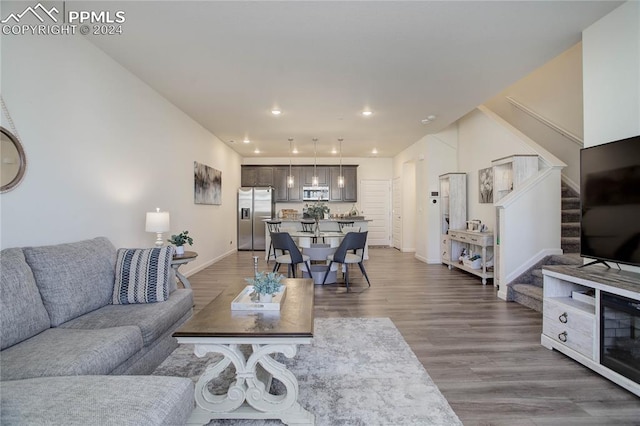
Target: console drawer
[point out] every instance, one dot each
(570, 317)
(571, 338)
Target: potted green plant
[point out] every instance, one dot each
(318, 210)
(266, 285)
(180, 240)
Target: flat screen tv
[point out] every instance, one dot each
(610, 201)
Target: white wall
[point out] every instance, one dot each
(611, 52)
(103, 148)
(420, 165)
(611, 56)
(553, 92)
(482, 140)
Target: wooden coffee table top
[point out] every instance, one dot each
(295, 318)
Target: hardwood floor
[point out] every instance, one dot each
(483, 353)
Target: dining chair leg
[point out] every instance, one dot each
(346, 275)
(327, 273)
(269, 252)
(293, 270)
(276, 267)
(364, 273)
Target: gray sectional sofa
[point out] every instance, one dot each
(68, 355)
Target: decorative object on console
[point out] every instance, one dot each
(159, 223)
(142, 275)
(207, 184)
(180, 240)
(485, 180)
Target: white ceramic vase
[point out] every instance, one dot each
(179, 249)
(266, 298)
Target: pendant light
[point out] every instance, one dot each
(290, 180)
(340, 177)
(314, 179)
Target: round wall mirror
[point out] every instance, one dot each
(14, 161)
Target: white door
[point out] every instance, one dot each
(375, 201)
(397, 214)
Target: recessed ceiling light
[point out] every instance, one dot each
(246, 140)
(334, 151)
(295, 150)
(428, 120)
(374, 151)
(256, 151)
(276, 112)
(366, 113)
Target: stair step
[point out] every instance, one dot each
(568, 192)
(570, 244)
(571, 215)
(527, 295)
(570, 229)
(570, 203)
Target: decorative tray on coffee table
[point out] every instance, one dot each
(244, 302)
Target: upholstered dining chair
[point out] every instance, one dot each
(272, 226)
(287, 252)
(351, 250)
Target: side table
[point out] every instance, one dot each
(181, 259)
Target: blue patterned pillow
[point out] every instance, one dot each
(142, 275)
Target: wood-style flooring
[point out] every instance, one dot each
(484, 354)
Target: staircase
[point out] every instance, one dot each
(527, 288)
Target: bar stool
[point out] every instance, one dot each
(272, 226)
(309, 226)
(343, 223)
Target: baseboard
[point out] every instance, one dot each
(408, 250)
(209, 263)
(525, 266)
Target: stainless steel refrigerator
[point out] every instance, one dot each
(254, 206)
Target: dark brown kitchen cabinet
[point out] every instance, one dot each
(284, 193)
(350, 190)
(322, 171)
(256, 176)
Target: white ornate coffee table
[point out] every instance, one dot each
(218, 329)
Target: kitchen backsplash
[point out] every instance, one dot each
(334, 207)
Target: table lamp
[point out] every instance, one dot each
(157, 222)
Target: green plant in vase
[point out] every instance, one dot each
(179, 240)
(266, 284)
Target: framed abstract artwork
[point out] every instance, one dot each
(207, 184)
(485, 180)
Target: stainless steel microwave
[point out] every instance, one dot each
(315, 193)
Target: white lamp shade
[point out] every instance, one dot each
(157, 222)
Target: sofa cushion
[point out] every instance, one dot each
(22, 313)
(142, 275)
(153, 319)
(73, 278)
(97, 400)
(69, 352)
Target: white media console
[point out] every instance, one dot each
(572, 318)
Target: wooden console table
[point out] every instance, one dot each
(216, 328)
(483, 240)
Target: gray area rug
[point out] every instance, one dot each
(358, 371)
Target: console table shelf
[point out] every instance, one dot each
(471, 240)
(573, 315)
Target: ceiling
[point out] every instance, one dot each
(228, 64)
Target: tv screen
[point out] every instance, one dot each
(610, 201)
